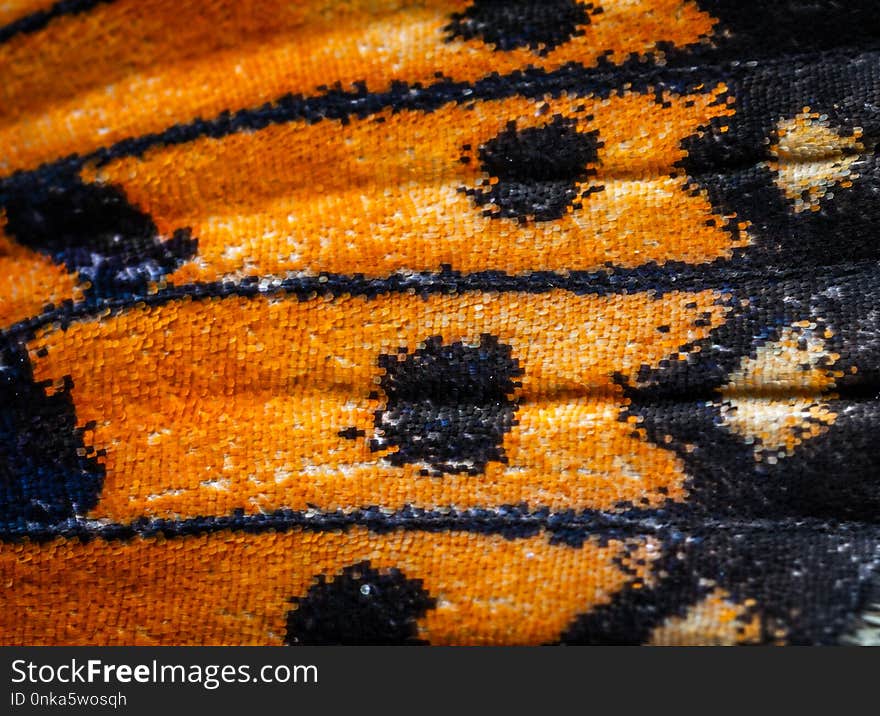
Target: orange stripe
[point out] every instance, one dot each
(208, 406)
(231, 588)
(385, 193)
(138, 66)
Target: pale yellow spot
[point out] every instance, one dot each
(811, 158)
(776, 399)
(715, 621)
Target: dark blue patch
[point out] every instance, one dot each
(47, 473)
(93, 230)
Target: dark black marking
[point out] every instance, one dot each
(540, 25)
(94, 231)
(749, 29)
(351, 433)
(360, 606)
(567, 527)
(448, 406)
(47, 472)
(538, 170)
(659, 280)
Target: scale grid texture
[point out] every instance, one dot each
(439, 322)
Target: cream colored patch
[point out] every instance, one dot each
(715, 621)
(776, 400)
(811, 158)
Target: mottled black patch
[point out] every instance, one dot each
(680, 406)
(835, 475)
(540, 25)
(746, 30)
(93, 230)
(47, 472)
(448, 406)
(536, 172)
(360, 606)
(803, 584)
(729, 160)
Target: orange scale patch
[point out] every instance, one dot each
(138, 66)
(416, 191)
(204, 407)
(232, 588)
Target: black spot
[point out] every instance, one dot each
(93, 230)
(351, 433)
(448, 406)
(47, 472)
(540, 25)
(361, 606)
(536, 171)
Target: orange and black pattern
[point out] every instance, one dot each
(440, 322)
